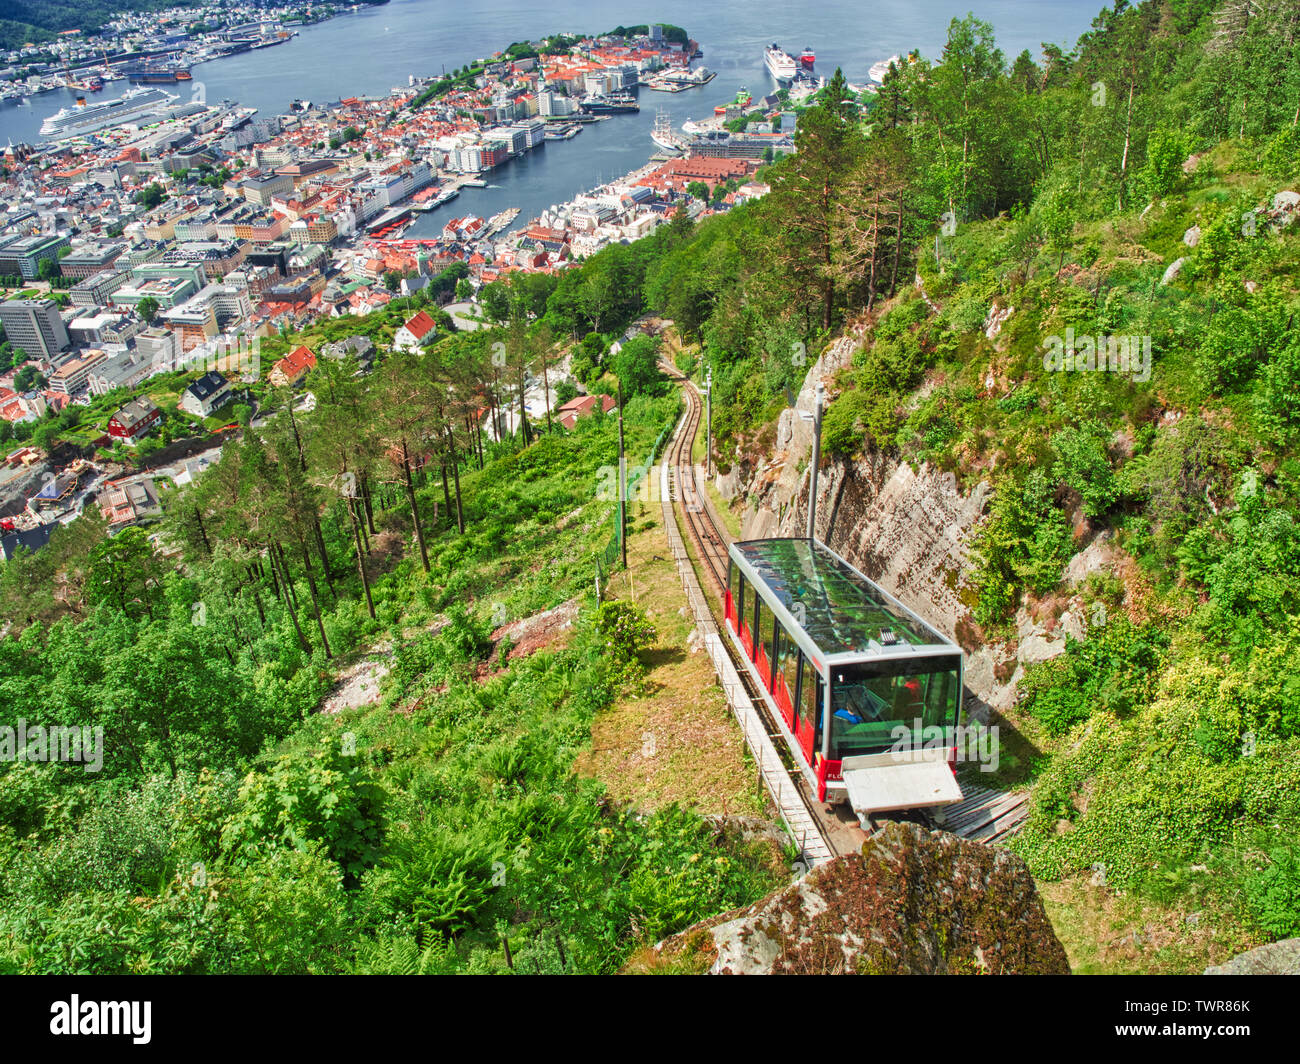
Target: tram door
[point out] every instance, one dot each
(763, 641)
(787, 676)
(809, 712)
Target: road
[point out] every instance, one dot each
(459, 315)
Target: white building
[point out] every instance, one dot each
(554, 104)
(210, 392)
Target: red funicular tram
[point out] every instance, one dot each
(828, 646)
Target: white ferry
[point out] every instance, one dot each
(780, 65)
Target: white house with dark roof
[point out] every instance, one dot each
(210, 392)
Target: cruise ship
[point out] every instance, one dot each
(132, 106)
(779, 64)
(879, 70)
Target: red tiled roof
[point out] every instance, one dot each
(419, 325)
(301, 358)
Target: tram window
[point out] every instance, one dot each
(870, 703)
(740, 601)
(763, 633)
(787, 660)
(810, 696)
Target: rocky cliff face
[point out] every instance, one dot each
(1277, 958)
(913, 902)
(908, 529)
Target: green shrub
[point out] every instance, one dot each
(626, 632)
(1023, 544)
(1083, 465)
(1113, 670)
(1273, 894)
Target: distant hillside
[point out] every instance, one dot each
(34, 21)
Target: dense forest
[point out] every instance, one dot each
(978, 208)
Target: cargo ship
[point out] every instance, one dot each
(132, 106)
(742, 100)
(158, 73)
(779, 64)
(808, 59)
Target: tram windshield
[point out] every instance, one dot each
(876, 706)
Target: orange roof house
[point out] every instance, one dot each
(290, 369)
(568, 414)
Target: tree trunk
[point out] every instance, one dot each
(285, 579)
(496, 409)
(324, 556)
(415, 511)
(302, 457)
(875, 242)
(523, 410)
(1128, 126)
(446, 490)
(828, 285)
(275, 578)
(365, 492)
(277, 559)
(203, 535)
(546, 398)
(898, 246)
(314, 595)
(455, 475)
(361, 557)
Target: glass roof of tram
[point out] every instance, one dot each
(841, 610)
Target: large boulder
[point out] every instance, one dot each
(1277, 958)
(913, 902)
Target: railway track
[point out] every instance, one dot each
(710, 543)
(986, 815)
(710, 546)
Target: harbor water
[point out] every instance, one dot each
(373, 50)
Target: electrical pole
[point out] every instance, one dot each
(708, 424)
(816, 418)
(622, 482)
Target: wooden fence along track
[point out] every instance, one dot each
(983, 814)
